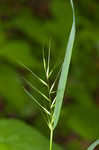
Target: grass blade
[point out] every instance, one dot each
(31, 96)
(64, 73)
(92, 146)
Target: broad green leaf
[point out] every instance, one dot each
(93, 146)
(16, 135)
(64, 73)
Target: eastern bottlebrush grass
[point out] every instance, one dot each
(52, 112)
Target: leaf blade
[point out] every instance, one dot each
(64, 73)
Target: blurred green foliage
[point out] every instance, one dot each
(21, 136)
(25, 29)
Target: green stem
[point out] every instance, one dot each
(51, 139)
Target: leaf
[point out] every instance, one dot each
(64, 73)
(92, 146)
(16, 135)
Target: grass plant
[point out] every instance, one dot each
(52, 112)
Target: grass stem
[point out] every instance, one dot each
(51, 138)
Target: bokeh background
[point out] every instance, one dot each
(26, 27)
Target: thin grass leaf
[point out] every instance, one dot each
(64, 73)
(42, 81)
(44, 109)
(93, 146)
(38, 91)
